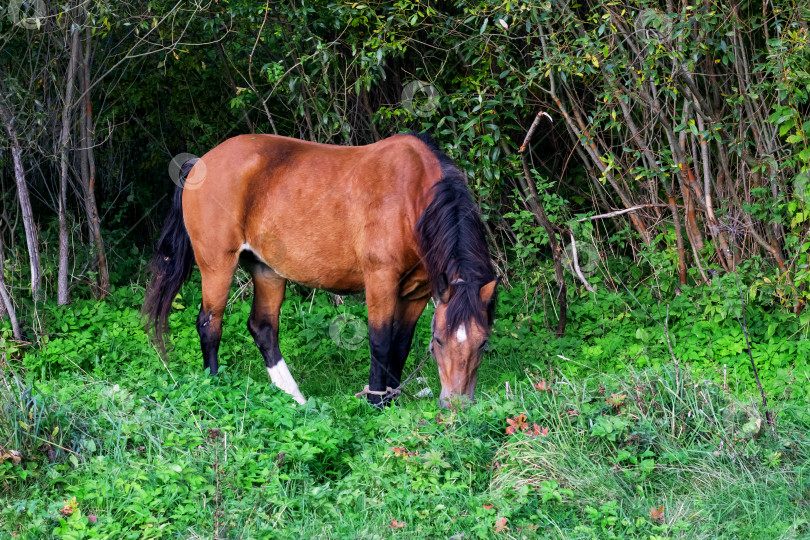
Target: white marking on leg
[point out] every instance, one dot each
(281, 377)
(461, 334)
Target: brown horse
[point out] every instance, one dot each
(394, 218)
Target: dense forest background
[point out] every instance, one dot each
(669, 140)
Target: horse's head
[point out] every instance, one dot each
(461, 325)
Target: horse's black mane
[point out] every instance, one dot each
(453, 244)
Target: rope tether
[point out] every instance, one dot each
(393, 393)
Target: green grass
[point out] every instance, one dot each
(151, 450)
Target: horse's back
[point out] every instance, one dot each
(318, 214)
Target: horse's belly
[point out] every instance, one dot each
(331, 267)
(334, 279)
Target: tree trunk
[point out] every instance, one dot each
(25, 202)
(542, 219)
(581, 134)
(227, 69)
(369, 115)
(62, 277)
(6, 305)
(678, 237)
(89, 175)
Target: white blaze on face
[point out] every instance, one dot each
(281, 377)
(461, 334)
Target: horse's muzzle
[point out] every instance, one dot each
(467, 394)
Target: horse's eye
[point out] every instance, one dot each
(437, 340)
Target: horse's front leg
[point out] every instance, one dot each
(382, 291)
(408, 312)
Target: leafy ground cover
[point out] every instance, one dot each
(594, 435)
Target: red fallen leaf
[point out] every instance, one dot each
(542, 386)
(516, 423)
(616, 400)
(539, 431)
(487, 507)
(657, 514)
(500, 524)
(92, 518)
(69, 508)
(397, 524)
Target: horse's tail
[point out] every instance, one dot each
(170, 266)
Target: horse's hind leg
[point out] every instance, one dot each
(216, 284)
(268, 294)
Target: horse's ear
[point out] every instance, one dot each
(448, 292)
(444, 288)
(487, 291)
